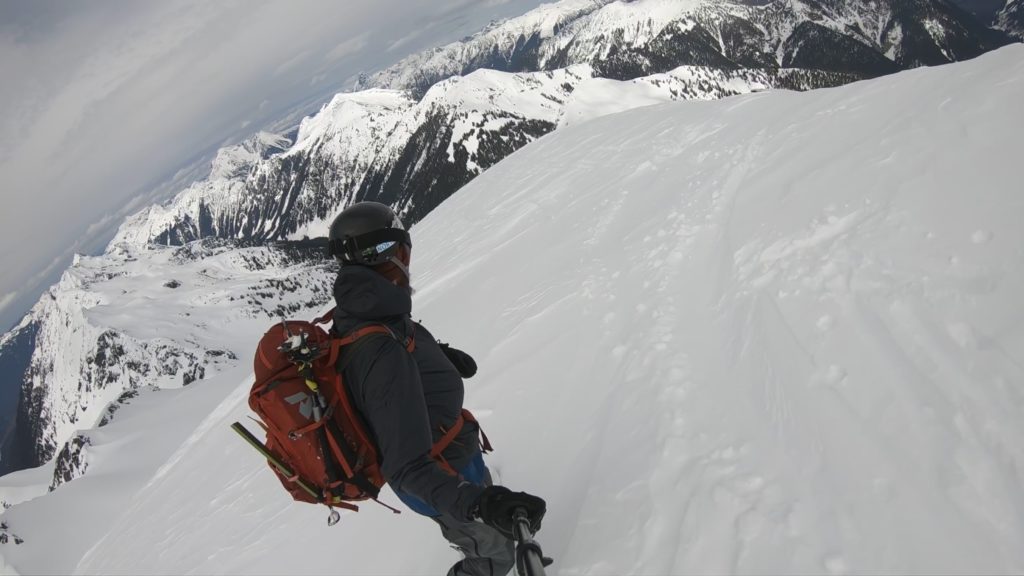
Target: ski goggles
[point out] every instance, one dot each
(371, 248)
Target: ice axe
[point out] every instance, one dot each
(530, 559)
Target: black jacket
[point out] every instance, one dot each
(406, 400)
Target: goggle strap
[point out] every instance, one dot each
(401, 266)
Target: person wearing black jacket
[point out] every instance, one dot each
(410, 400)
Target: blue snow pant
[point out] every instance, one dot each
(486, 552)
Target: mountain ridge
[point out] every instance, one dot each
(381, 145)
(721, 32)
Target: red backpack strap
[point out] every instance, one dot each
(445, 442)
(449, 436)
(485, 444)
(326, 317)
(338, 343)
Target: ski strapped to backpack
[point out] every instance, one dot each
(317, 443)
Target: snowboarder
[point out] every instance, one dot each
(410, 400)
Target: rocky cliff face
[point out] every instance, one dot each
(16, 348)
(1011, 19)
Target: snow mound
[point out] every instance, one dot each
(776, 333)
(596, 97)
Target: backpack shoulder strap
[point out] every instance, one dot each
(355, 337)
(349, 352)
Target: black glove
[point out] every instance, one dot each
(497, 504)
(463, 362)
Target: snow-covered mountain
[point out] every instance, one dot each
(224, 186)
(625, 40)
(414, 151)
(777, 332)
(373, 144)
(111, 326)
(379, 144)
(1011, 19)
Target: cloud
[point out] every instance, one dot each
(102, 224)
(348, 47)
(54, 265)
(404, 40)
(292, 63)
(6, 299)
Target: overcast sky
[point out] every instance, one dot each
(101, 101)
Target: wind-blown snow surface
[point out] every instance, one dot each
(777, 333)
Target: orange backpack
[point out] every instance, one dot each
(317, 444)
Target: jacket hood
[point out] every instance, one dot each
(362, 295)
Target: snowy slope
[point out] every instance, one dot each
(595, 97)
(777, 333)
(140, 318)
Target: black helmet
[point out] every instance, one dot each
(367, 233)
